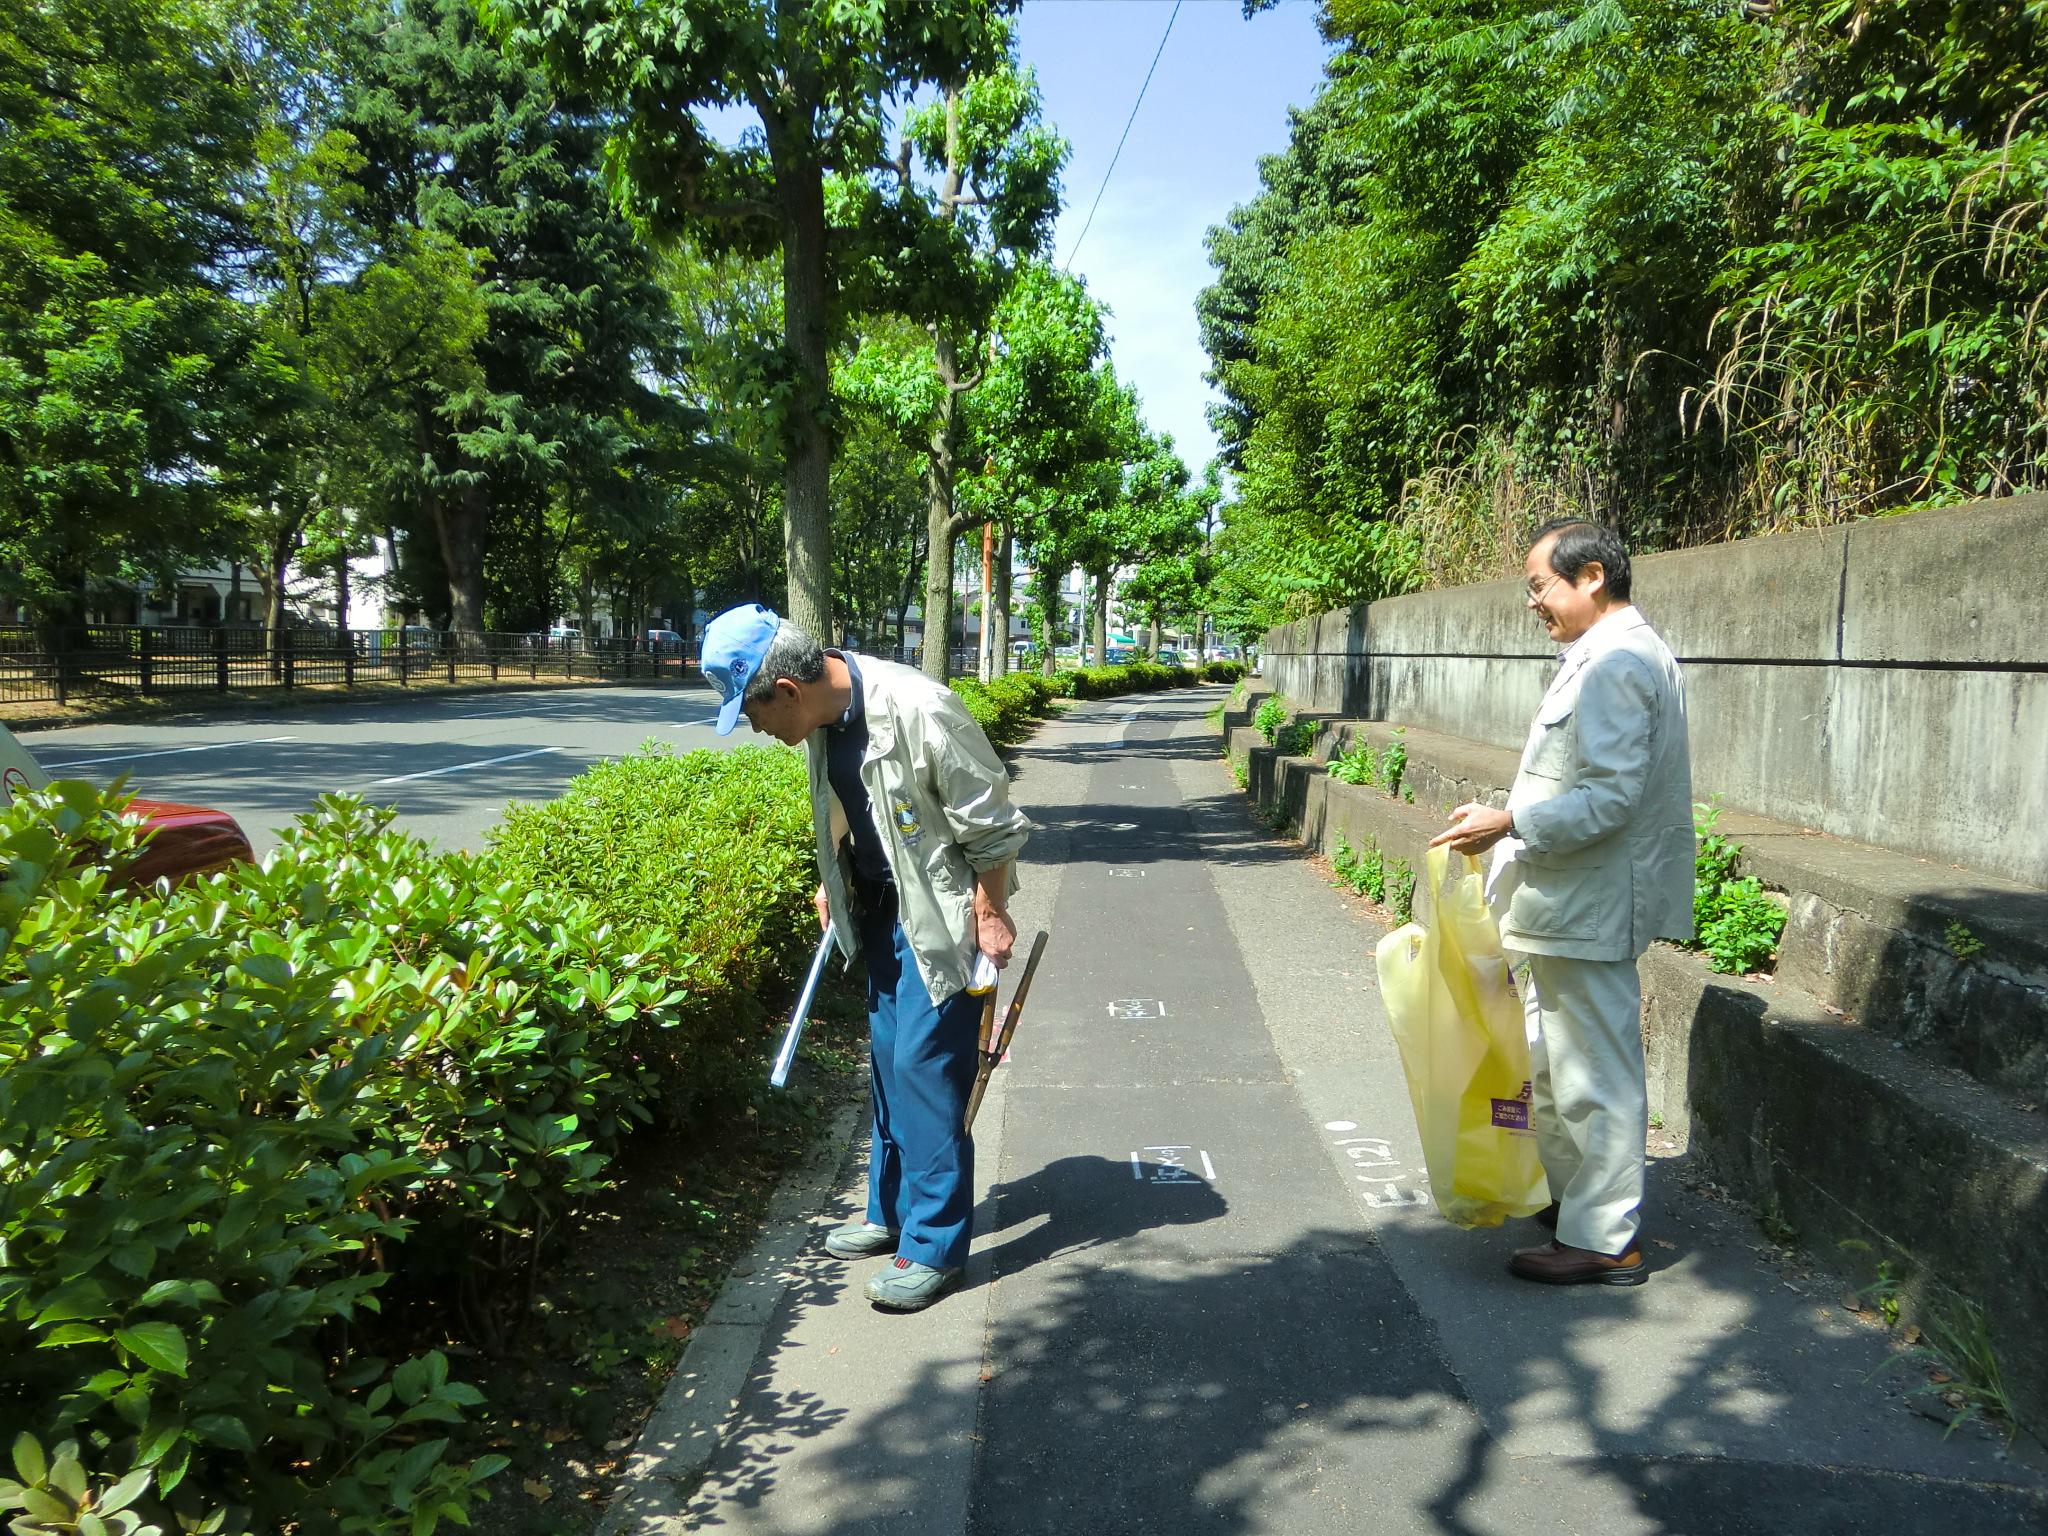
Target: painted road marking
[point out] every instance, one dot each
(678, 725)
(1137, 1008)
(1171, 1165)
(1127, 874)
(129, 757)
(1374, 1165)
(435, 773)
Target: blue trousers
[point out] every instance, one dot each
(921, 1168)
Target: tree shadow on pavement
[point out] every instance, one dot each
(1131, 1390)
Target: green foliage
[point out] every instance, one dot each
(1694, 269)
(1362, 870)
(1129, 677)
(1962, 943)
(1005, 707)
(1357, 764)
(1297, 739)
(1270, 716)
(1737, 922)
(123, 357)
(712, 851)
(1959, 1343)
(238, 1110)
(1401, 890)
(1223, 671)
(1394, 761)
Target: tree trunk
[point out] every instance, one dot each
(1152, 639)
(460, 521)
(342, 597)
(999, 657)
(939, 529)
(908, 590)
(1102, 619)
(1048, 617)
(806, 499)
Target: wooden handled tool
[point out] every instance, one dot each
(992, 1049)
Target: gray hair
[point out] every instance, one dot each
(792, 654)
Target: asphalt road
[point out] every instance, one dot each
(449, 765)
(1209, 1295)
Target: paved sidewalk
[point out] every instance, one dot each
(1208, 1295)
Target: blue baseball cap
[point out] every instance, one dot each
(735, 643)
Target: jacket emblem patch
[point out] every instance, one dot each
(907, 825)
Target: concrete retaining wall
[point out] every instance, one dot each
(1885, 681)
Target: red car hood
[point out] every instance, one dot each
(184, 840)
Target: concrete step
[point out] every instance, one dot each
(1952, 962)
(1855, 1126)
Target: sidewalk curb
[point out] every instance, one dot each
(685, 1429)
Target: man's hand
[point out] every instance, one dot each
(824, 908)
(994, 934)
(1474, 828)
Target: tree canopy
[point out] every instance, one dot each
(1695, 270)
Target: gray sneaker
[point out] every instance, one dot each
(908, 1286)
(860, 1240)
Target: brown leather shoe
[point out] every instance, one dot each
(1557, 1264)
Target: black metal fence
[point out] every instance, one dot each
(153, 661)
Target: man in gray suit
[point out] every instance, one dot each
(1593, 858)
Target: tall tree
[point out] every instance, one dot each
(817, 75)
(124, 361)
(978, 173)
(460, 140)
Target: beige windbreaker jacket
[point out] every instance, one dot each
(940, 798)
(1603, 805)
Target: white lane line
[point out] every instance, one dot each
(677, 725)
(435, 773)
(129, 757)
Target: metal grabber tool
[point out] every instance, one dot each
(785, 1058)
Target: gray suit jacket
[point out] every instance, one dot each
(1602, 859)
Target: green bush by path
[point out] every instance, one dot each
(1005, 707)
(1130, 677)
(237, 1111)
(713, 848)
(1222, 671)
(1736, 922)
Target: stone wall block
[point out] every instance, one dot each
(1957, 584)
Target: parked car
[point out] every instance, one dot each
(664, 642)
(183, 839)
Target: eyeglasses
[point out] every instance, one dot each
(1536, 589)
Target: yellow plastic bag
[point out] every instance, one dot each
(1463, 1045)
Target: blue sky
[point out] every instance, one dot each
(1218, 101)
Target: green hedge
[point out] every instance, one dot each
(1131, 677)
(235, 1111)
(1006, 707)
(1222, 671)
(712, 847)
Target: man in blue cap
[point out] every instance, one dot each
(917, 843)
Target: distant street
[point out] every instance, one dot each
(450, 764)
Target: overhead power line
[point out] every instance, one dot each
(1068, 265)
